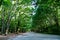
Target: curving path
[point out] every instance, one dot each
(35, 36)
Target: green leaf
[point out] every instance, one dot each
(7, 3)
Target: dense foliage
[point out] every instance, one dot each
(30, 15)
(46, 18)
(15, 16)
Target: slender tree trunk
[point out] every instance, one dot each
(18, 27)
(15, 15)
(15, 24)
(8, 23)
(3, 21)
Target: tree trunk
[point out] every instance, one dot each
(8, 23)
(3, 22)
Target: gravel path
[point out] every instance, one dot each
(35, 36)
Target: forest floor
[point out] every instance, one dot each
(30, 36)
(35, 36)
(12, 35)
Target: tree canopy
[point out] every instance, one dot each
(41, 16)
